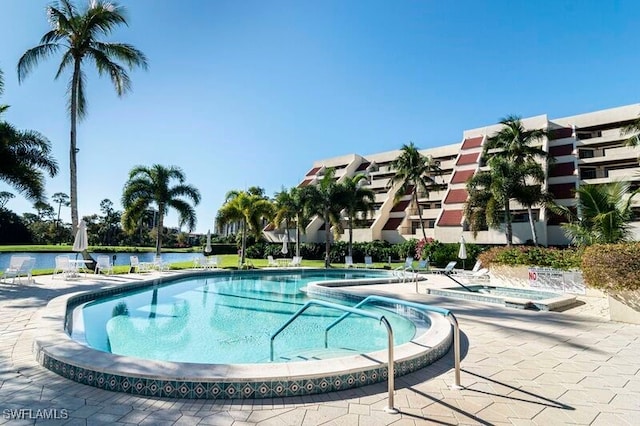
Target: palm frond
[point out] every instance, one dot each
(32, 57)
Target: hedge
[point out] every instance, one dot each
(564, 259)
(612, 266)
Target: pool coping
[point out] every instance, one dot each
(55, 350)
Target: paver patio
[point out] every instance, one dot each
(519, 367)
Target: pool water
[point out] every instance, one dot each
(509, 292)
(229, 318)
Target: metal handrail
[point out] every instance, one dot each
(361, 312)
(445, 312)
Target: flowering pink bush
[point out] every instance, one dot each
(423, 247)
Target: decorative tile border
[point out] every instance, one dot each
(57, 352)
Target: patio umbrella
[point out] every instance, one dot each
(462, 252)
(207, 249)
(81, 242)
(285, 241)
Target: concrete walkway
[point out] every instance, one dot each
(519, 367)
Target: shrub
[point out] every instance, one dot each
(564, 259)
(612, 266)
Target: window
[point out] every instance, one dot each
(589, 135)
(414, 227)
(587, 173)
(585, 153)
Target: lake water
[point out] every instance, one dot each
(47, 260)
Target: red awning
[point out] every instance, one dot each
(472, 142)
(392, 223)
(468, 159)
(462, 176)
(456, 196)
(313, 171)
(401, 206)
(451, 218)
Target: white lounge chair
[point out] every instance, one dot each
(198, 263)
(271, 262)
(368, 262)
(348, 262)
(296, 261)
(19, 266)
(137, 266)
(65, 267)
(104, 265)
(423, 265)
(159, 264)
(408, 265)
(448, 270)
(212, 262)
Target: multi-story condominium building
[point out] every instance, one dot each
(583, 149)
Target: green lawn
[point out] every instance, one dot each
(230, 261)
(103, 249)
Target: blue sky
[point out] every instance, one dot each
(250, 93)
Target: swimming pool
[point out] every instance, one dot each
(57, 351)
(229, 319)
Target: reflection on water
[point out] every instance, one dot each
(47, 260)
(229, 318)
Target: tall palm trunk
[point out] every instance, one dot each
(415, 199)
(507, 223)
(327, 232)
(534, 233)
(243, 243)
(350, 235)
(286, 224)
(159, 230)
(298, 235)
(72, 149)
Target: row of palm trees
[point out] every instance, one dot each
(517, 172)
(328, 199)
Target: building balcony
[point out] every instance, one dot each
(604, 155)
(599, 137)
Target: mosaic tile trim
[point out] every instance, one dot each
(238, 389)
(233, 388)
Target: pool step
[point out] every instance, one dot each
(313, 354)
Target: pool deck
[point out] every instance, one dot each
(518, 367)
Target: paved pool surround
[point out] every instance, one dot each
(56, 351)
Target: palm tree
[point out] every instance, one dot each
(480, 208)
(632, 131)
(248, 207)
(514, 143)
(5, 196)
(285, 210)
(78, 35)
(3, 108)
(25, 155)
(490, 192)
(356, 199)
(152, 186)
(416, 173)
(604, 213)
(511, 150)
(529, 196)
(61, 199)
(325, 200)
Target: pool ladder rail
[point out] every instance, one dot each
(357, 310)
